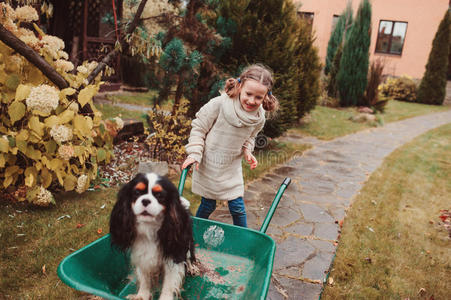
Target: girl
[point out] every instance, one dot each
(222, 133)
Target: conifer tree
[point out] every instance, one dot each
(332, 90)
(432, 89)
(354, 64)
(268, 32)
(308, 68)
(336, 38)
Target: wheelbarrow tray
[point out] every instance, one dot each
(236, 263)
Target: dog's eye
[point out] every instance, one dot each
(137, 192)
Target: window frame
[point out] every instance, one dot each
(308, 17)
(388, 52)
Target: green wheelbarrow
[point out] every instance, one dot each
(235, 262)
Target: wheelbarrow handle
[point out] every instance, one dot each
(274, 204)
(182, 180)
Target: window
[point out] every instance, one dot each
(391, 36)
(335, 21)
(308, 18)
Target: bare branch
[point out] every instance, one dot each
(109, 57)
(33, 57)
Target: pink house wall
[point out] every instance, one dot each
(423, 18)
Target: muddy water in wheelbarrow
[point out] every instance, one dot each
(235, 262)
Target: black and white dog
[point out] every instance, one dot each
(153, 221)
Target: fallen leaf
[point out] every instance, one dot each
(43, 270)
(331, 281)
(340, 223)
(99, 231)
(80, 225)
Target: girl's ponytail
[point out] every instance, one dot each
(270, 102)
(232, 87)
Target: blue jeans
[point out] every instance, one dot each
(236, 208)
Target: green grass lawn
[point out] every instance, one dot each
(35, 240)
(142, 99)
(392, 244)
(111, 111)
(328, 123)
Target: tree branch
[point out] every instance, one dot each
(33, 57)
(109, 57)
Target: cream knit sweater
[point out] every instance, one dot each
(219, 132)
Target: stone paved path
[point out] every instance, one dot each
(325, 179)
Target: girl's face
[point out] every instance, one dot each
(252, 95)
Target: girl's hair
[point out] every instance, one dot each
(258, 73)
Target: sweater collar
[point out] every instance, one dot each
(237, 116)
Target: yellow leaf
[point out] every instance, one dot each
(33, 153)
(23, 135)
(70, 182)
(22, 92)
(8, 180)
(11, 170)
(2, 160)
(16, 111)
(86, 95)
(67, 92)
(52, 121)
(66, 116)
(46, 177)
(50, 146)
(59, 175)
(55, 164)
(101, 154)
(30, 176)
(4, 144)
(83, 125)
(22, 146)
(35, 125)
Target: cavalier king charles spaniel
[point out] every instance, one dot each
(153, 222)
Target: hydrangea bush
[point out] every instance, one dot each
(403, 88)
(47, 143)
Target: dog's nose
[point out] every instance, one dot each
(145, 202)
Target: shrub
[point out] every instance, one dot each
(46, 143)
(371, 97)
(170, 132)
(432, 89)
(352, 76)
(402, 88)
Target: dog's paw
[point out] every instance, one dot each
(192, 269)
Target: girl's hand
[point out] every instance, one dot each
(252, 161)
(190, 161)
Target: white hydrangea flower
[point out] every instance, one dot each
(55, 43)
(119, 123)
(31, 41)
(66, 152)
(64, 65)
(61, 133)
(44, 98)
(82, 69)
(44, 197)
(62, 54)
(26, 14)
(82, 183)
(10, 13)
(10, 25)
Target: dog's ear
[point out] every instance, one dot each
(175, 234)
(123, 220)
